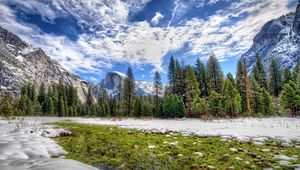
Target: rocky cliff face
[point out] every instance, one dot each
(113, 82)
(278, 38)
(21, 63)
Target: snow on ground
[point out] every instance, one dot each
(256, 130)
(25, 145)
(245, 129)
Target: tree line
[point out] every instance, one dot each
(199, 91)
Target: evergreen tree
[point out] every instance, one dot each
(232, 102)
(255, 96)
(289, 98)
(200, 107)
(192, 91)
(287, 76)
(173, 106)
(215, 104)
(229, 77)
(42, 94)
(268, 107)
(6, 107)
(61, 107)
(214, 74)
(113, 106)
(146, 108)
(179, 80)
(201, 77)
(137, 107)
(275, 78)
(49, 107)
(240, 85)
(128, 92)
(89, 97)
(157, 93)
(171, 73)
(259, 73)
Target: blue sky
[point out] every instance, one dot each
(90, 38)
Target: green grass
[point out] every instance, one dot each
(113, 147)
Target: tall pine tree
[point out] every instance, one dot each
(192, 91)
(275, 78)
(259, 73)
(214, 74)
(128, 92)
(157, 93)
(201, 77)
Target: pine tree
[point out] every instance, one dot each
(232, 102)
(157, 93)
(42, 94)
(192, 91)
(61, 107)
(146, 108)
(128, 92)
(214, 74)
(137, 107)
(200, 107)
(173, 106)
(255, 96)
(171, 73)
(6, 107)
(49, 107)
(259, 73)
(215, 104)
(179, 80)
(89, 97)
(229, 77)
(268, 107)
(275, 78)
(113, 106)
(287, 76)
(201, 77)
(240, 85)
(289, 98)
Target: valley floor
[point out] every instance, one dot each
(265, 142)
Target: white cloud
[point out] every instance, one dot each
(158, 16)
(139, 43)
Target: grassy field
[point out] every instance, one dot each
(112, 147)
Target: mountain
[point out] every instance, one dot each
(113, 82)
(20, 63)
(279, 39)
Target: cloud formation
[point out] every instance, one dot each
(111, 37)
(158, 16)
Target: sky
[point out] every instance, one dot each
(91, 37)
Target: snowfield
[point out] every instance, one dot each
(243, 129)
(26, 144)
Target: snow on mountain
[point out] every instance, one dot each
(21, 63)
(113, 83)
(279, 39)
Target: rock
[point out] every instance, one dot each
(238, 158)
(199, 154)
(265, 150)
(284, 163)
(258, 143)
(233, 149)
(284, 157)
(20, 63)
(278, 39)
(151, 147)
(285, 145)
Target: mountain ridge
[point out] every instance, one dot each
(278, 39)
